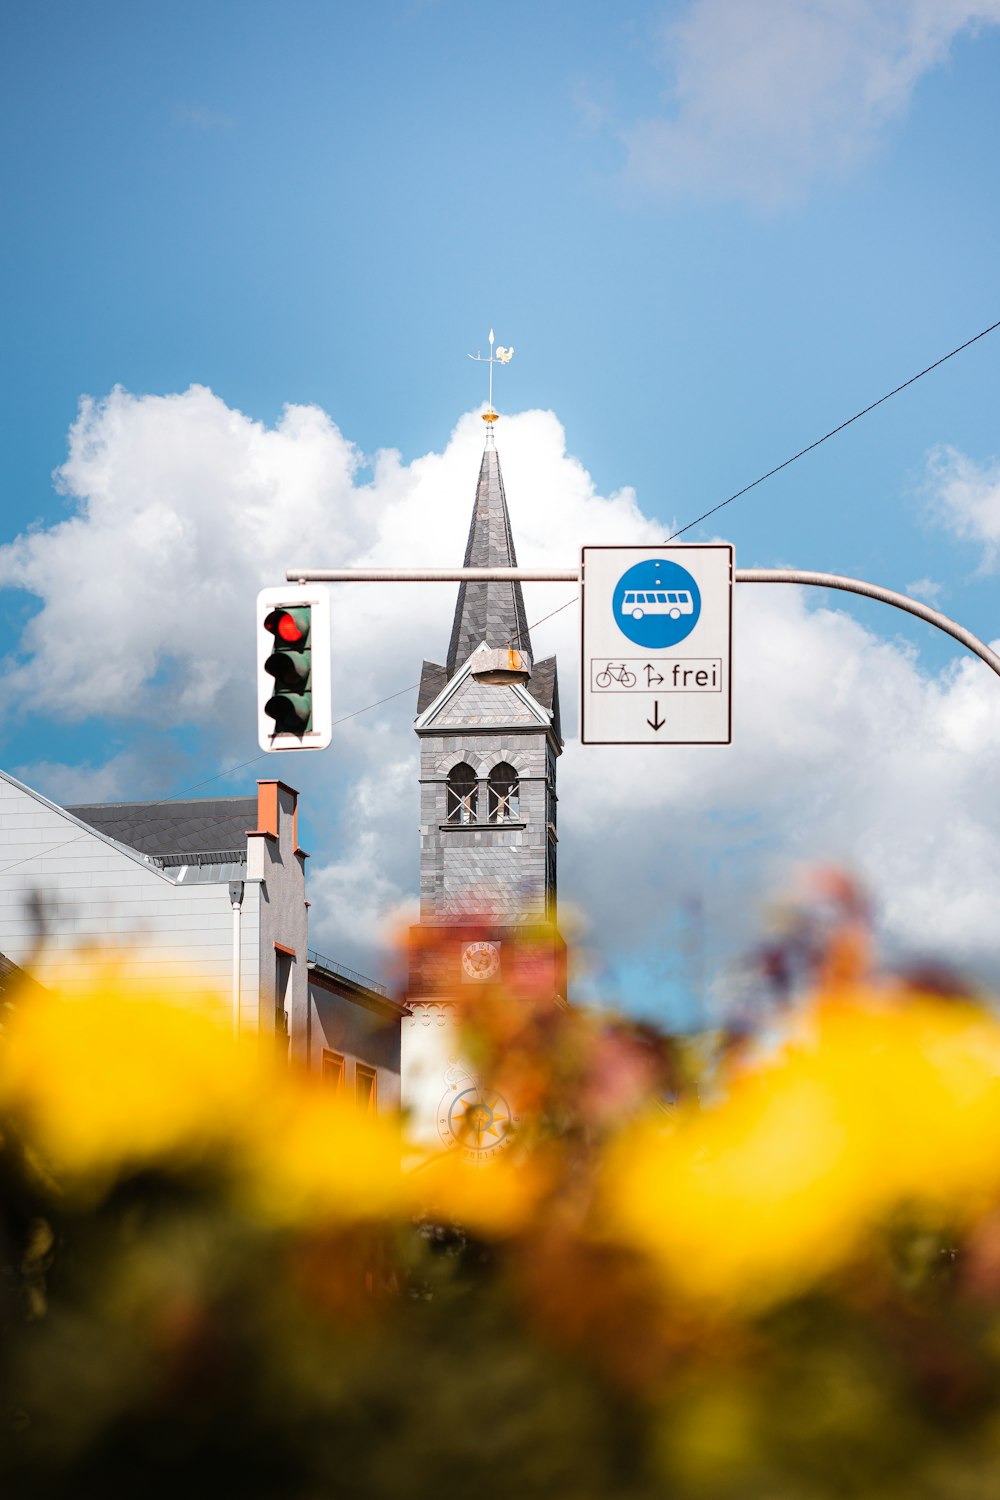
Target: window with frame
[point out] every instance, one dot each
(282, 999)
(504, 795)
(333, 1072)
(463, 794)
(366, 1088)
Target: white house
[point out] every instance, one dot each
(209, 892)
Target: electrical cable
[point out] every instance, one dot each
(834, 430)
(803, 451)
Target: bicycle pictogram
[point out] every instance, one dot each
(615, 672)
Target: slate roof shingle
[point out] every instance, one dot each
(433, 680)
(543, 685)
(490, 612)
(199, 825)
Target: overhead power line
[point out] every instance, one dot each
(803, 451)
(834, 430)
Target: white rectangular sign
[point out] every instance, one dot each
(657, 627)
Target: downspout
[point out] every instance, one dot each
(236, 897)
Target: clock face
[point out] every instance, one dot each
(480, 960)
(477, 1120)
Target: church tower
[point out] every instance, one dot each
(488, 725)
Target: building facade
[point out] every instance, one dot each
(207, 894)
(354, 1035)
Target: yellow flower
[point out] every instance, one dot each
(102, 1075)
(877, 1107)
(496, 1198)
(107, 1077)
(317, 1160)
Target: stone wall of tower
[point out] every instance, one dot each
(485, 887)
(499, 871)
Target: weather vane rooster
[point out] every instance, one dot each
(501, 357)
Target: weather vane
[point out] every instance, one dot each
(502, 357)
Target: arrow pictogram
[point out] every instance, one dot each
(656, 722)
(652, 675)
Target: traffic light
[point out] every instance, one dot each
(290, 666)
(293, 669)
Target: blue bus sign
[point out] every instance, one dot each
(657, 645)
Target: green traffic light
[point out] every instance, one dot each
(291, 712)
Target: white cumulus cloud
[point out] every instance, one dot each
(843, 750)
(926, 589)
(765, 95)
(965, 500)
(181, 508)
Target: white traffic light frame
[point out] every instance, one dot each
(297, 596)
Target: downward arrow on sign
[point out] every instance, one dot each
(656, 722)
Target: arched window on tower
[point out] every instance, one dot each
(463, 794)
(503, 794)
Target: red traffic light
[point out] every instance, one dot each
(287, 629)
(294, 711)
(289, 626)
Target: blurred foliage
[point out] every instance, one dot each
(761, 1262)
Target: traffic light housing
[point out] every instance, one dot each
(294, 710)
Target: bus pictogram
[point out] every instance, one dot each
(663, 602)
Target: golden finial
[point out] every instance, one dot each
(502, 357)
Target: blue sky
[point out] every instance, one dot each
(711, 230)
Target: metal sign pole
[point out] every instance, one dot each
(572, 575)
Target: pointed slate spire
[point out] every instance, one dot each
(490, 612)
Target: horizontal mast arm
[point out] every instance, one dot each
(433, 575)
(572, 575)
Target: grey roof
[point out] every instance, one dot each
(14, 979)
(543, 685)
(433, 680)
(198, 826)
(490, 612)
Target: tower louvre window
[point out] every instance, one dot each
(504, 798)
(463, 794)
